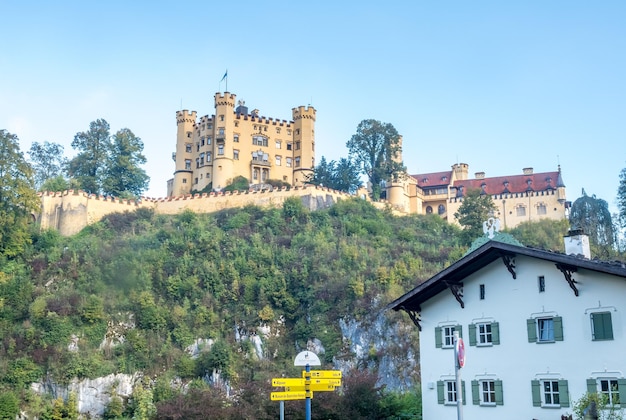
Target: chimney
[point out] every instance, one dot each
(479, 175)
(527, 171)
(577, 243)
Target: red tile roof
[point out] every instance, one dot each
(433, 179)
(513, 183)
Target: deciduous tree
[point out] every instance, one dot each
(474, 210)
(123, 175)
(48, 161)
(340, 176)
(18, 198)
(592, 215)
(375, 148)
(89, 165)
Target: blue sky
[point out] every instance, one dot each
(500, 85)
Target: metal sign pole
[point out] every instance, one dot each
(457, 374)
(282, 410)
(307, 379)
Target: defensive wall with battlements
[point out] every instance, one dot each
(70, 211)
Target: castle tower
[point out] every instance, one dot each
(185, 122)
(224, 137)
(303, 143)
(459, 172)
(397, 191)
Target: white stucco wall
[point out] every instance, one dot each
(516, 361)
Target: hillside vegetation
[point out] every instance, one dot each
(215, 277)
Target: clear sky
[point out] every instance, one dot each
(499, 85)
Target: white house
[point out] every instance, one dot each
(540, 329)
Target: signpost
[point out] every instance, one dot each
(302, 388)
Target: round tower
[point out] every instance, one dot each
(223, 149)
(185, 122)
(397, 194)
(304, 144)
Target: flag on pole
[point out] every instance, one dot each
(225, 76)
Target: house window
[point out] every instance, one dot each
(236, 138)
(278, 144)
(520, 211)
(601, 326)
(545, 329)
(236, 154)
(484, 333)
(487, 392)
(541, 209)
(482, 292)
(220, 149)
(444, 336)
(278, 159)
(288, 162)
(542, 283)
(550, 393)
(609, 387)
(446, 392)
(187, 163)
(188, 147)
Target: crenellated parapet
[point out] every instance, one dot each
(71, 211)
(185, 116)
(225, 99)
(303, 112)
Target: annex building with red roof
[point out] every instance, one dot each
(527, 196)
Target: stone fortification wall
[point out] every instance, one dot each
(70, 211)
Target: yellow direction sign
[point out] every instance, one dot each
(283, 396)
(334, 374)
(287, 382)
(312, 387)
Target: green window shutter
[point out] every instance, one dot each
(475, 393)
(602, 326)
(440, 399)
(459, 329)
(495, 333)
(563, 393)
(536, 390)
(558, 328)
(621, 388)
(438, 342)
(592, 386)
(463, 392)
(498, 389)
(472, 334)
(531, 326)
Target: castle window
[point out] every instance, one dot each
(298, 162)
(208, 140)
(297, 131)
(221, 118)
(264, 174)
(236, 123)
(259, 141)
(441, 209)
(277, 130)
(236, 138)
(188, 134)
(289, 146)
(197, 162)
(313, 146)
(208, 157)
(288, 162)
(255, 174)
(202, 141)
(209, 126)
(184, 180)
(278, 144)
(236, 154)
(195, 180)
(284, 177)
(208, 175)
(221, 131)
(220, 149)
(520, 210)
(278, 159)
(429, 210)
(297, 145)
(188, 147)
(265, 128)
(197, 146)
(187, 163)
(288, 132)
(202, 158)
(541, 209)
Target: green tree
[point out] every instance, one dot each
(9, 405)
(621, 197)
(341, 176)
(123, 176)
(473, 212)
(90, 164)
(240, 183)
(592, 215)
(48, 161)
(375, 149)
(18, 198)
(544, 233)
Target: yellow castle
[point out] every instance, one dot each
(213, 150)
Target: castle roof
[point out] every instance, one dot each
(433, 179)
(512, 184)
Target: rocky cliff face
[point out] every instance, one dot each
(385, 341)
